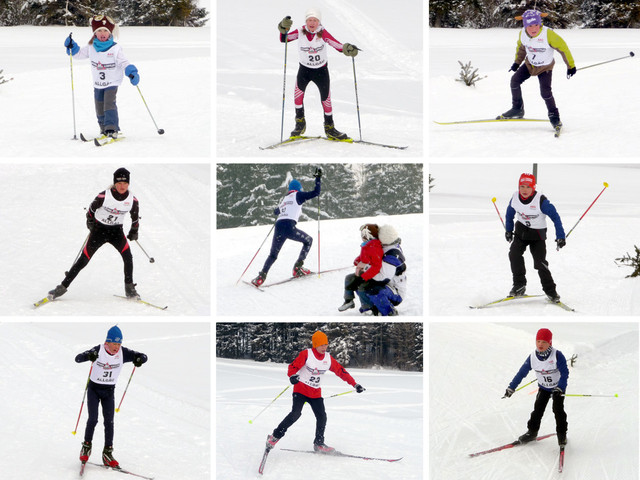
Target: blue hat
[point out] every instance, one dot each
(531, 17)
(295, 185)
(114, 335)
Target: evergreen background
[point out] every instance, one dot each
(362, 345)
(562, 13)
(247, 194)
(183, 13)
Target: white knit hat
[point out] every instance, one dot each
(387, 235)
(313, 13)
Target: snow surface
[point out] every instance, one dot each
(42, 229)
(468, 254)
(162, 428)
(385, 421)
(250, 69)
(467, 414)
(599, 107)
(340, 244)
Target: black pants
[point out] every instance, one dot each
(538, 250)
(521, 75)
(319, 76)
(287, 230)
(97, 394)
(317, 405)
(98, 237)
(558, 410)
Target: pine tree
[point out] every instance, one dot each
(633, 262)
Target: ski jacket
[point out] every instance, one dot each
(312, 52)
(301, 362)
(370, 254)
(393, 269)
(107, 68)
(112, 212)
(537, 52)
(108, 366)
(533, 206)
(300, 198)
(551, 371)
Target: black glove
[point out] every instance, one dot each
(294, 379)
(561, 242)
(514, 67)
(133, 234)
(557, 392)
(91, 222)
(508, 236)
(359, 388)
(508, 392)
(92, 355)
(138, 361)
(285, 25)
(349, 50)
(318, 172)
(571, 72)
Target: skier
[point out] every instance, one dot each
(536, 45)
(551, 369)
(368, 265)
(107, 362)
(288, 213)
(313, 40)
(105, 219)
(305, 374)
(531, 209)
(108, 66)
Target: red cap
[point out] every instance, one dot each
(102, 21)
(527, 179)
(544, 334)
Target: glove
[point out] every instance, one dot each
(561, 242)
(133, 234)
(557, 392)
(138, 361)
(132, 72)
(508, 236)
(359, 388)
(514, 67)
(72, 47)
(294, 379)
(276, 211)
(318, 172)
(349, 50)
(285, 25)
(91, 222)
(508, 392)
(92, 355)
(571, 72)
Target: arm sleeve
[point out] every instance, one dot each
(298, 363)
(557, 43)
(524, 370)
(372, 255)
(340, 371)
(135, 214)
(508, 217)
(129, 355)
(82, 53)
(289, 37)
(521, 52)
(302, 197)
(564, 371)
(548, 209)
(96, 204)
(84, 356)
(328, 38)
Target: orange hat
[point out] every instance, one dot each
(319, 338)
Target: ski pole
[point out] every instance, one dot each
(343, 393)
(284, 81)
(355, 84)
(525, 385)
(578, 395)
(605, 187)
(151, 259)
(631, 54)
(83, 397)
(73, 95)
(160, 130)
(318, 235)
(498, 212)
(251, 421)
(265, 239)
(125, 389)
(81, 249)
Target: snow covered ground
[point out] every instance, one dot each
(37, 113)
(468, 263)
(598, 106)
(467, 414)
(389, 73)
(385, 421)
(162, 428)
(340, 244)
(42, 229)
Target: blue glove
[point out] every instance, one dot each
(72, 47)
(132, 72)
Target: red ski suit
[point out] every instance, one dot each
(305, 389)
(371, 253)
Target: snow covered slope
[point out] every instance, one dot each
(467, 414)
(385, 421)
(468, 263)
(162, 428)
(340, 244)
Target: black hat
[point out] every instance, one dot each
(121, 175)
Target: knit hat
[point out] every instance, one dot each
(527, 179)
(319, 338)
(387, 235)
(531, 17)
(313, 13)
(114, 335)
(121, 175)
(369, 231)
(544, 334)
(295, 185)
(102, 21)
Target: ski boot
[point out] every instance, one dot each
(517, 291)
(107, 458)
(322, 448)
(57, 292)
(85, 453)
(348, 303)
(331, 132)
(271, 441)
(553, 297)
(513, 112)
(528, 437)
(130, 291)
(259, 280)
(299, 270)
(111, 133)
(301, 124)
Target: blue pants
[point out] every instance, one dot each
(286, 230)
(382, 298)
(106, 109)
(97, 394)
